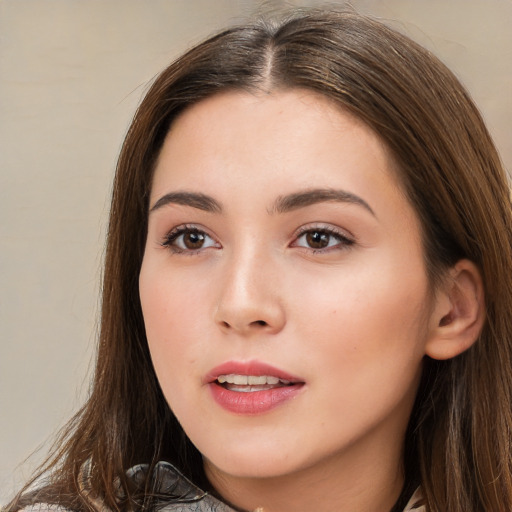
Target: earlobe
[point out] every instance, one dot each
(458, 314)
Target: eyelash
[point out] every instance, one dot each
(343, 241)
(171, 237)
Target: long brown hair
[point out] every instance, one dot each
(459, 441)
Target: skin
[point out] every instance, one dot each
(353, 320)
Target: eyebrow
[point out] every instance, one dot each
(283, 204)
(305, 198)
(193, 199)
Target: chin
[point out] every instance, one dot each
(261, 464)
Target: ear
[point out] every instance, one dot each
(458, 314)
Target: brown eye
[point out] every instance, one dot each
(189, 240)
(317, 239)
(193, 240)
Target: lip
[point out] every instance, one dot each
(255, 402)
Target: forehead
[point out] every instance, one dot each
(244, 133)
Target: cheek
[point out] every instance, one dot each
(365, 344)
(171, 299)
(173, 309)
(364, 320)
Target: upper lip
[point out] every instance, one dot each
(253, 367)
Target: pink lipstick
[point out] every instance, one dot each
(251, 387)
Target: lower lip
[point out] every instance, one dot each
(255, 402)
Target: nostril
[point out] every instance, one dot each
(256, 323)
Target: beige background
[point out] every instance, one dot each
(71, 75)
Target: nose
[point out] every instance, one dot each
(250, 299)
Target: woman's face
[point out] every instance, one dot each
(283, 286)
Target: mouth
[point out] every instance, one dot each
(250, 388)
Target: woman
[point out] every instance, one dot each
(307, 288)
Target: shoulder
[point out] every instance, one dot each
(176, 493)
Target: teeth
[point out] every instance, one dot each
(240, 380)
(250, 380)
